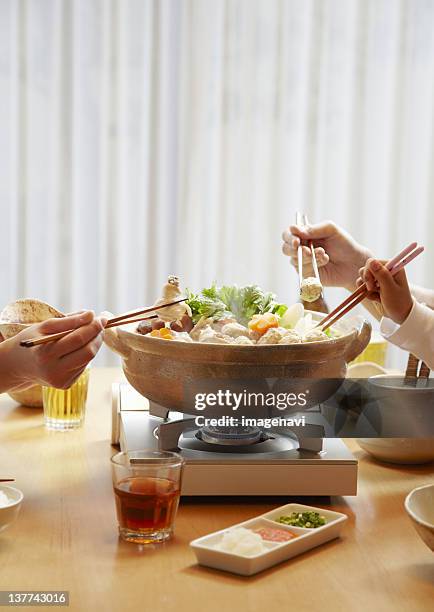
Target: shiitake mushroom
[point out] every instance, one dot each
(185, 324)
(144, 327)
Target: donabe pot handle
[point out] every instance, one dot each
(115, 343)
(360, 342)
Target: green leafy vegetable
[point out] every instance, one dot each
(233, 301)
(280, 309)
(205, 305)
(309, 520)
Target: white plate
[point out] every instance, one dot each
(207, 554)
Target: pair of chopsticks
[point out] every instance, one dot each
(394, 265)
(128, 317)
(413, 372)
(302, 220)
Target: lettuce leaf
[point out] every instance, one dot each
(205, 304)
(242, 303)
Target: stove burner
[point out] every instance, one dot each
(230, 436)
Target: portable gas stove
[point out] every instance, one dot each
(248, 462)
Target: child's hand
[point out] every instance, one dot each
(391, 291)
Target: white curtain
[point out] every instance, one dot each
(140, 138)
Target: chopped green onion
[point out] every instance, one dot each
(308, 520)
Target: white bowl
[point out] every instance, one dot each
(419, 504)
(403, 451)
(9, 513)
(30, 397)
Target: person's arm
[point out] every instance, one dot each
(405, 322)
(415, 334)
(56, 364)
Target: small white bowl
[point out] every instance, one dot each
(9, 513)
(419, 505)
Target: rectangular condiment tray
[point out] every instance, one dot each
(276, 552)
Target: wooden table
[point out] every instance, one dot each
(66, 535)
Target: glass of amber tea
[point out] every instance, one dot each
(64, 409)
(147, 487)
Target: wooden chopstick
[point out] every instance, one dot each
(128, 321)
(129, 317)
(53, 337)
(135, 313)
(7, 479)
(424, 371)
(410, 377)
(412, 366)
(394, 265)
(411, 373)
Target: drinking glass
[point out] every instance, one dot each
(64, 409)
(147, 487)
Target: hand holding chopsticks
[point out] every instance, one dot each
(393, 266)
(129, 317)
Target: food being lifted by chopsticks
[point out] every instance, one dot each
(129, 317)
(311, 286)
(178, 315)
(394, 266)
(171, 293)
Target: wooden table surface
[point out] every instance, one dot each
(66, 535)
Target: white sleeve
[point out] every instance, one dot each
(423, 295)
(415, 335)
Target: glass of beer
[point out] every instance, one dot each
(147, 487)
(64, 409)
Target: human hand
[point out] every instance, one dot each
(338, 255)
(391, 291)
(55, 364)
